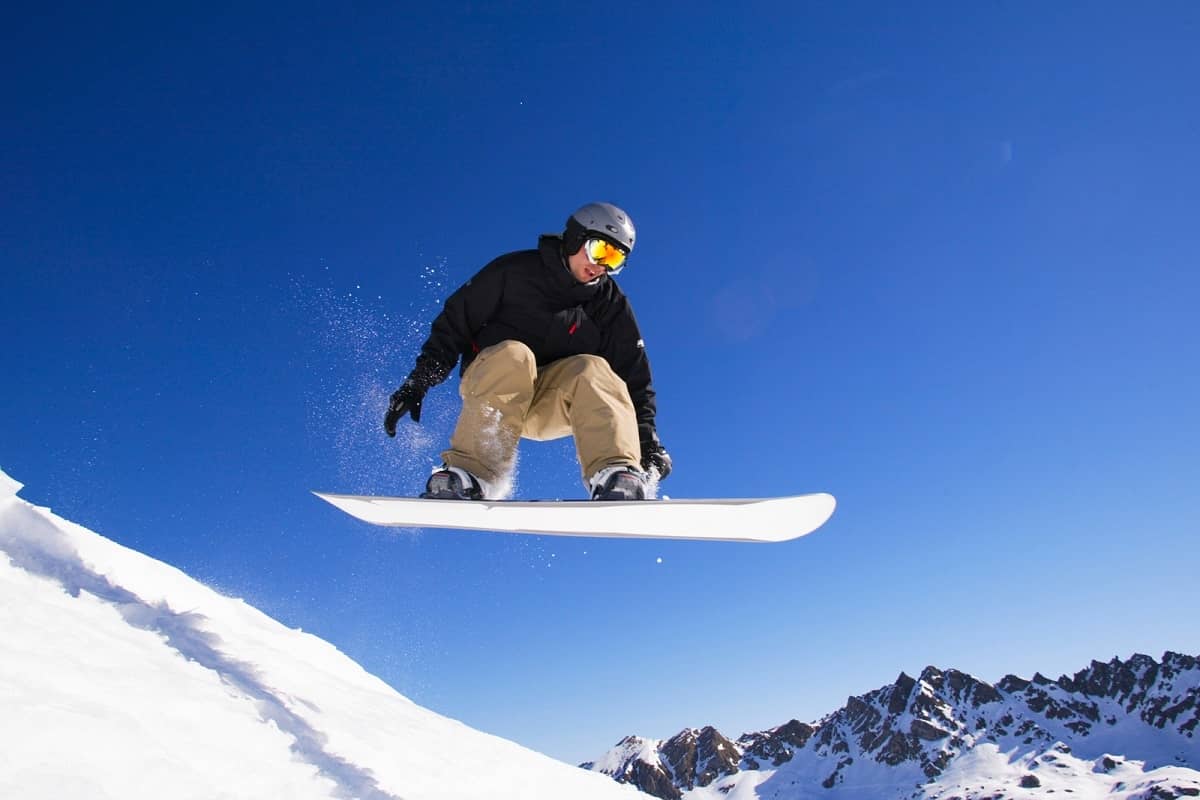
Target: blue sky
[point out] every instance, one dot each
(940, 262)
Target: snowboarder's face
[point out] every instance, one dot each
(582, 267)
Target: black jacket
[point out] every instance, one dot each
(532, 297)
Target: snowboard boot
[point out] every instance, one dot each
(452, 483)
(619, 483)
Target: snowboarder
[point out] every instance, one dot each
(549, 348)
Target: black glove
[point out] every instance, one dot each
(405, 400)
(655, 457)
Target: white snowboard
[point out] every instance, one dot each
(773, 519)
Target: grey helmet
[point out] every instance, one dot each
(603, 220)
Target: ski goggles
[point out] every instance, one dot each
(605, 254)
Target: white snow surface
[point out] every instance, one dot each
(121, 677)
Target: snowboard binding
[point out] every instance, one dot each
(452, 483)
(619, 483)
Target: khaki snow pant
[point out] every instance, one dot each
(506, 397)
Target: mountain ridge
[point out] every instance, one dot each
(1126, 727)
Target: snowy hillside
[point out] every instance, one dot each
(121, 677)
(1125, 730)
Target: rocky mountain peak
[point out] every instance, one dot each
(698, 757)
(775, 746)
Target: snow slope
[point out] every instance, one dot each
(121, 677)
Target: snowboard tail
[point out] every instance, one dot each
(773, 519)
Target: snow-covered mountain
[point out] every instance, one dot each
(121, 677)
(1125, 730)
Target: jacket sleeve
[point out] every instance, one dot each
(454, 330)
(626, 353)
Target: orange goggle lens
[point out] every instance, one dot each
(604, 254)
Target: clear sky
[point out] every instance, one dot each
(940, 262)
